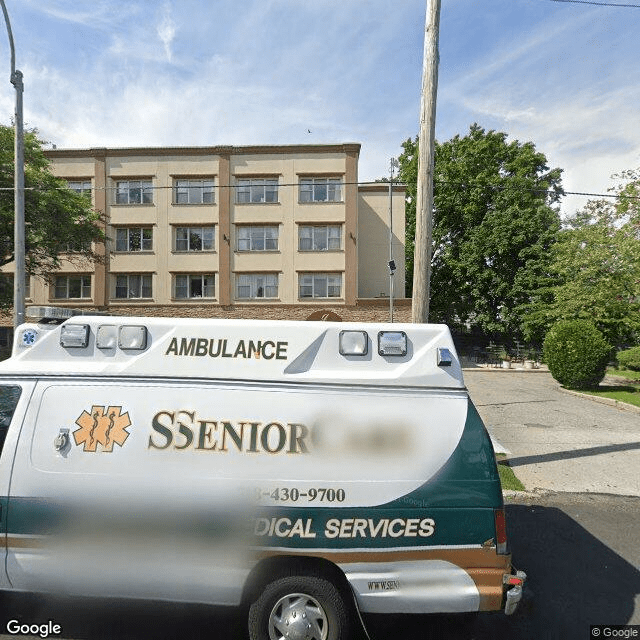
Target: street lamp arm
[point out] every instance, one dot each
(13, 49)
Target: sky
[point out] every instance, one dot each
(111, 73)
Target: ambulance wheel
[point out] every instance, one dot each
(299, 608)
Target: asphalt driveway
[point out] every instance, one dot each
(557, 441)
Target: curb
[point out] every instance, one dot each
(533, 494)
(624, 406)
(501, 370)
(507, 494)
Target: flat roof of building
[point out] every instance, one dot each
(345, 147)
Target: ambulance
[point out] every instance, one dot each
(305, 471)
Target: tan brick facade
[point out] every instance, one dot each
(363, 311)
(243, 232)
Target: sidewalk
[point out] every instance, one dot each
(470, 365)
(557, 441)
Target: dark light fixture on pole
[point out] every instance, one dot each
(19, 278)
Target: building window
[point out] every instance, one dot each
(195, 238)
(193, 192)
(320, 190)
(67, 287)
(249, 190)
(194, 286)
(319, 238)
(83, 187)
(134, 192)
(252, 238)
(133, 286)
(6, 285)
(6, 339)
(320, 285)
(134, 239)
(256, 285)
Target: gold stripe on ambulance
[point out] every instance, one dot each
(25, 542)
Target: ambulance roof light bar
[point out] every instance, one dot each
(57, 314)
(49, 314)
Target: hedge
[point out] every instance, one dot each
(576, 354)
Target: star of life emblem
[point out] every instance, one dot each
(101, 428)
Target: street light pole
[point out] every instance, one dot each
(19, 278)
(393, 163)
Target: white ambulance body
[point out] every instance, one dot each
(301, 468)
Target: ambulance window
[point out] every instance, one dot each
(9, 396)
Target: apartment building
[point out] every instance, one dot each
(258, 231)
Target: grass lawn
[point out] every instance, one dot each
(508, 479)
(623, 373)
(628, 393)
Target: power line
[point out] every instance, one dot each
(600, 4)
(385, 184)
(551, 192)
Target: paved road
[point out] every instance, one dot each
(558, 441)
(581, 552)
(582, 555)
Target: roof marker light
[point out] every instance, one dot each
(354, 343)
(392, 343)
(107, 336)
(73, 336)
(132, 337)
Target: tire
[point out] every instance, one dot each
(304, 607)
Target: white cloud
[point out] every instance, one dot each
(568, 88)
(98, 14)
(198, 73)
(166, 29)
(586, 133)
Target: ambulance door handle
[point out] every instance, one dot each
(61, 443)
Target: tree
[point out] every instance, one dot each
(595, 270)
(57, 219)
(494, 224)
(576, 354)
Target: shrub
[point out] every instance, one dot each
(576, 354)
(630, 358)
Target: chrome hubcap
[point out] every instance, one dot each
(297, 616)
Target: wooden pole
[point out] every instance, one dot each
(426, 149)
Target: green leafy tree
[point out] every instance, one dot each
(595, 270)
(495, 221)
(56, 218)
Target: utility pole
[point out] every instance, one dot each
(18, 235)
(393, 163)
(426, 150)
